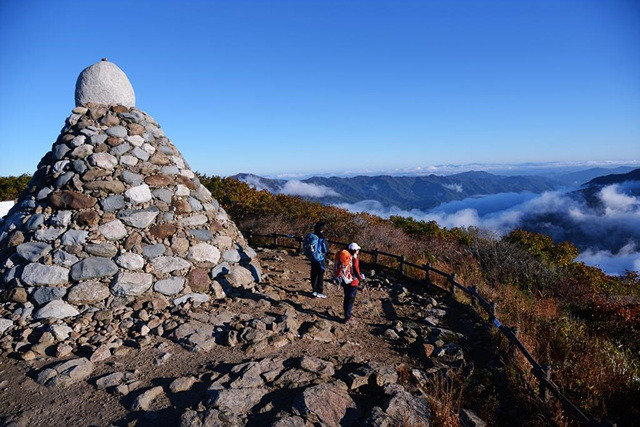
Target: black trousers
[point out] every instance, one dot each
(317, 276)
(349, 299)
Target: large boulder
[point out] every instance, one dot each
(236, 401)
(330, 403)
(144, 400)
(104, 83)
(65, 373)
(405, 408)
(56, 309)
(238, 278)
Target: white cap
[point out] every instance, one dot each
(354, 247)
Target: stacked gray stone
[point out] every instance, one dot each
(114, 213)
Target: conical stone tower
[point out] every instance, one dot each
(114, 214)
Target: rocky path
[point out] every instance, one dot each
(271, 356)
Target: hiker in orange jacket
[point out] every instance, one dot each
(347, 273)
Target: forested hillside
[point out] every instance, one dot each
(406, 192)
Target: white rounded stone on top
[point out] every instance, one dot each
(104, 83)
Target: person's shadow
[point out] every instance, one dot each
(297, 306)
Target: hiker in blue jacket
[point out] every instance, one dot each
(317, 259)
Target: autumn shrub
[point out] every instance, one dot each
(588, 331)
(592, 370)
(250, 208)
(12, 186)
(427, 229)
(504, 262)
(542, 247)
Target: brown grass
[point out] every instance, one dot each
(444, 395)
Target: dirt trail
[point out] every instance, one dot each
(390, 329)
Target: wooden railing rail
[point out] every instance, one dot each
(542, 372)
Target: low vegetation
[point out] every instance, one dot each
(11, 186)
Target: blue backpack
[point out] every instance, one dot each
(311, 247)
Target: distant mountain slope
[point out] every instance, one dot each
(634, 175)
(591, 190)
(409, 192)
(575, 179)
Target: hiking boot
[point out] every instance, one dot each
(315, 294)
(350, 320)
(321, 296)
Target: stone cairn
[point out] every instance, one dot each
(114, 217)
(115, 240)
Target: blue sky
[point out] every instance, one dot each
(280, 87)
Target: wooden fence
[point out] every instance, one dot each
(448, 282)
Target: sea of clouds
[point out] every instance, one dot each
(292, 188)
(607, 232)
(303, 189)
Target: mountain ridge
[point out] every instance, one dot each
(407, 192)
(633, 175)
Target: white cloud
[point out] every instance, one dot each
(627, 258)
(5, 207)
(454, 187)
(462, 218)
(371, 206)
(616, 201)
(608, 233)
(255, 182)
(299, 188)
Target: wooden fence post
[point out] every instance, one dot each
(452, 285)
(300, 246)
(512, 347)
(275, 240)
(474, 301)
(402, 265)
(493, 305)
(375, 257)
(544, 391)
(427, 273)
(250, 237)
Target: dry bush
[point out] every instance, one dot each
(444, 395)
(592, 371)
(505, 262)
(386, 238)
(273, 224)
